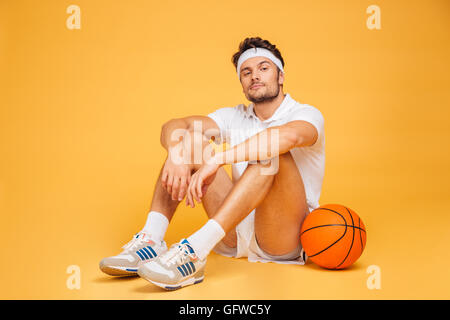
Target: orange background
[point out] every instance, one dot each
(81, 113)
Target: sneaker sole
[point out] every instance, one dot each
(119, 271)
(182, 284)
(171, 287)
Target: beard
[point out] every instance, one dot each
(266, 97)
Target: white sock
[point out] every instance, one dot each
(156, 226)
(205, 239)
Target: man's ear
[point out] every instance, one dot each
(280, 77)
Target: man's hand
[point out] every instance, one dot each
(200, 182)
(176, 178)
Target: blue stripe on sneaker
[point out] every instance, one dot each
(188, 267)
(145, 255)
(185, 270)
(148, 252)
(128, 269)
(140, 255)
(181, 271)
(153, 251)
(192, 266)
(188, 244)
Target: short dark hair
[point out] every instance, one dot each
(256, 42)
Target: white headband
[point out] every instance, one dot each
(257, 52)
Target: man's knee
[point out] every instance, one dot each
(261, 167)
(272, 166)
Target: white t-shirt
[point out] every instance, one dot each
(239, 123)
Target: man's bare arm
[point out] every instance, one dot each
(270, 143)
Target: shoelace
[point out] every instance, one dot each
(178, 253)
(137, 241)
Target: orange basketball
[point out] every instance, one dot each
(333, 236)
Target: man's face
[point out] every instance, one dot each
(260, 79)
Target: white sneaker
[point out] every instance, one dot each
(141, 249)
(177, 268)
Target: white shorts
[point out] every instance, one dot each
(247, 246)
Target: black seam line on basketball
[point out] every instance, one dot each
(345, 231)
(360, 236)
(353, 239)
(333, 225)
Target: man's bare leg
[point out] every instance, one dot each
(279, 200)
(282, 211)
(213, 199)
(247, 193)
(162, 201)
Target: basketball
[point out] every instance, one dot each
(333, 236)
